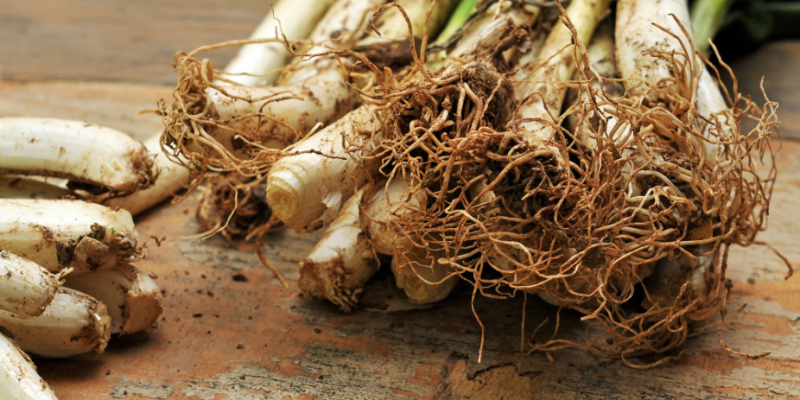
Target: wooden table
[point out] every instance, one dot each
(224, 338)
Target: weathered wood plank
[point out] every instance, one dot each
(776, 63)
(126, 41)
(115, 105)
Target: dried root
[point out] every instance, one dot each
(649, 209)
(233, 206)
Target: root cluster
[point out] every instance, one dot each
(232, 206)
(627, 218)
(633, 231)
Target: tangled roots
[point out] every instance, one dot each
(233, 206)
(632, 231)
(217, 127)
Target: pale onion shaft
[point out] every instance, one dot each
(73, 323)
(601, 53)
(255, 59)
(635, 41)
(545, 87)
(387, 204)
(636, 36)
(100, 157)
(172, 178)
(311, 92)
(315, 90)
(479, 34)
(342, 261)
(394, 26)
(421, 277)
(18, 187)
(345, 17)
(132, 298)
(711, 105)
(25, 287)
(480, 40)
(295, 18)
(289, 112)
(305, 190)
(19, 379)
(57, 234)
(545, 70)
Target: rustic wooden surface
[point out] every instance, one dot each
(297, 348)
(777, 64)
(127, 41)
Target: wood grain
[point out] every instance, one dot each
(297, 348)
(777, 64)
(115, 105)
(126, 41)
(292, 347)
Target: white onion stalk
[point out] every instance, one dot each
(306, 189)
(19, 379)
(292, 18)
(709, 102)
(73, 323)
(58, 234)
(272, 118)
(132, 298)
(636, 36)
(421, 277)
(345, 17)
(311, 92)
(545, 87)
(25, 288)
(289, 112)
(388, 203)
(601, 52)
(18, 187)
(93, 157)
(544, 72)
(342, 261)
(172, 178)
